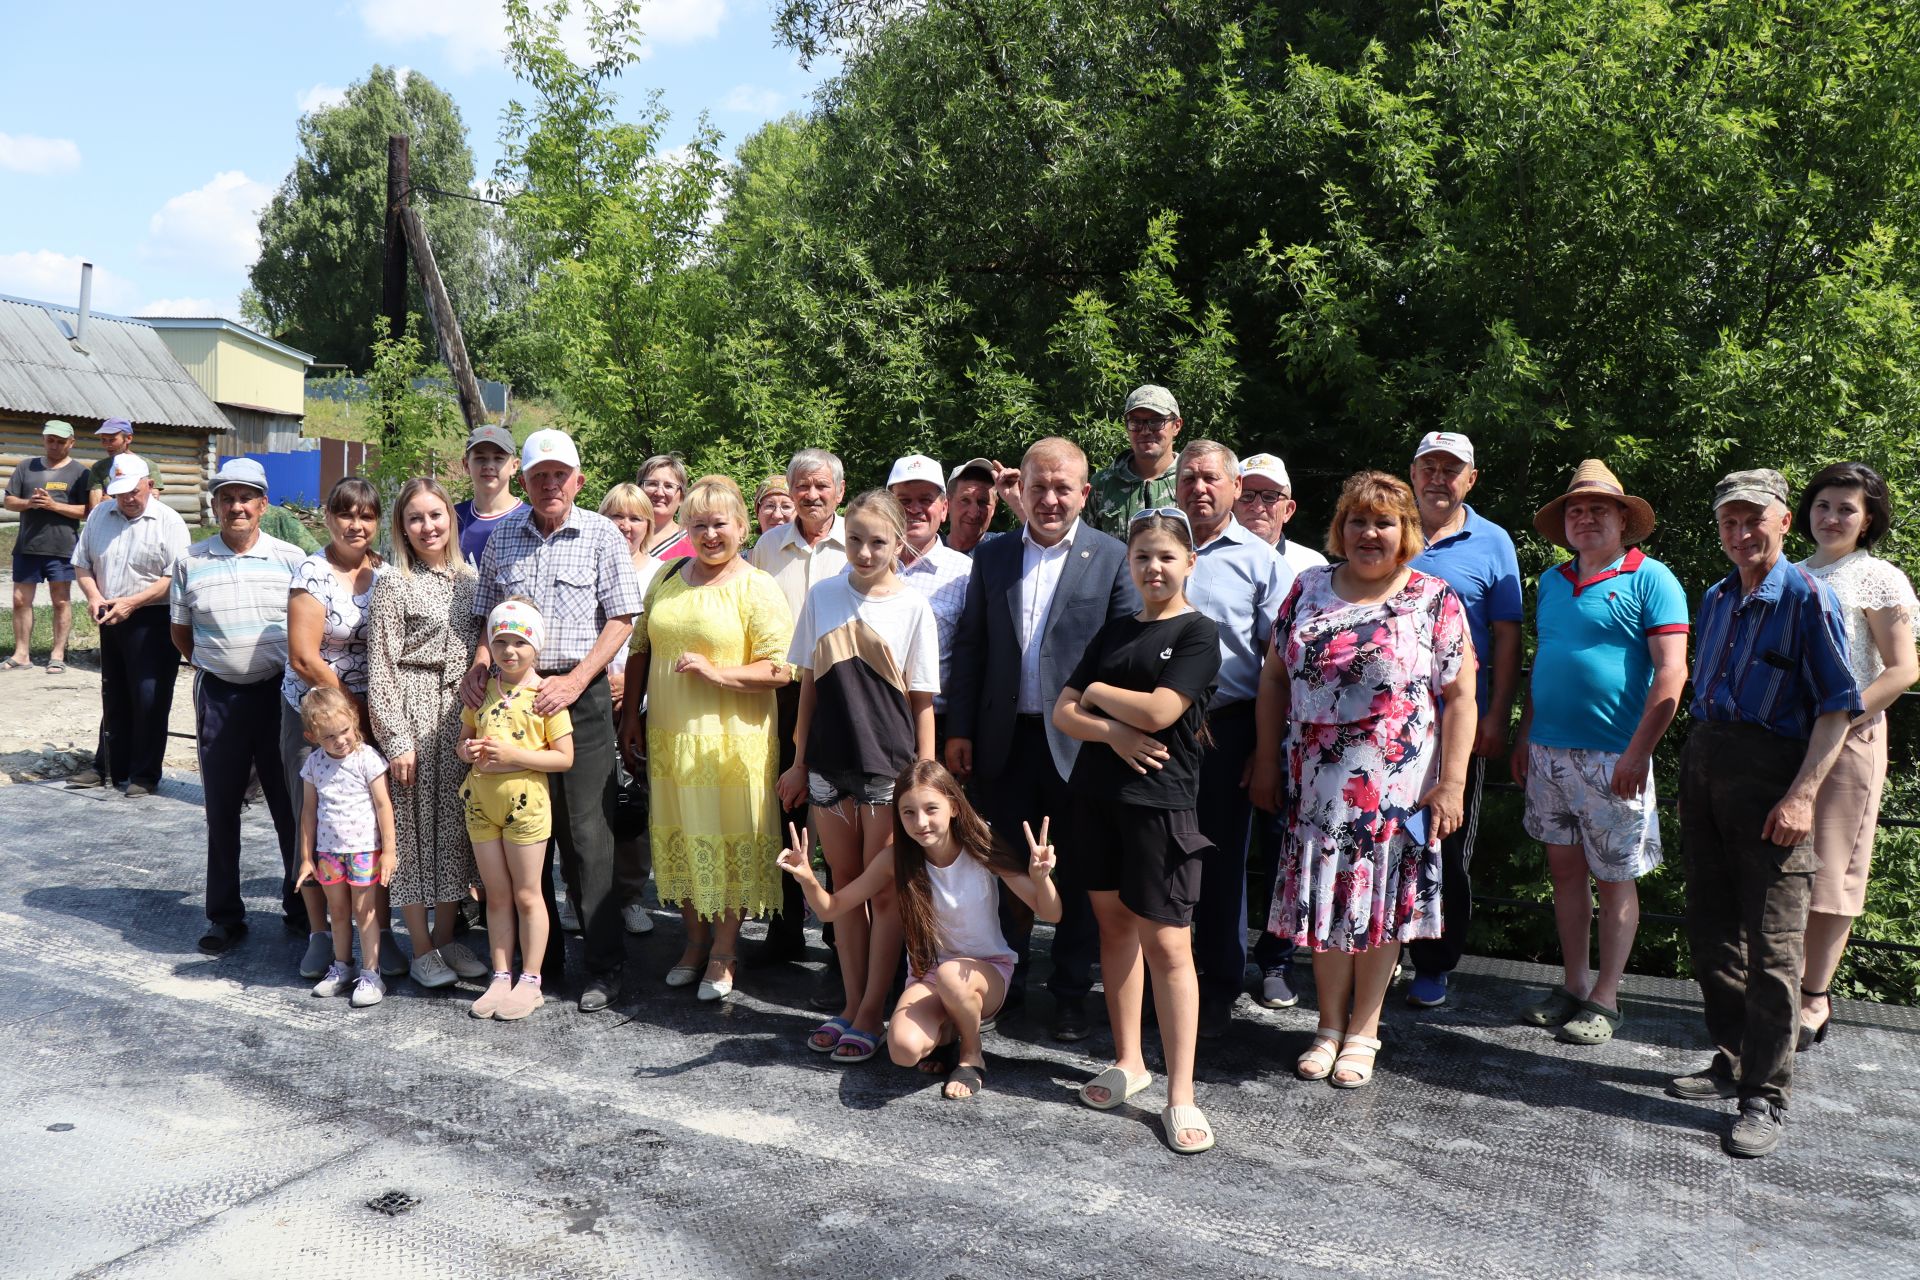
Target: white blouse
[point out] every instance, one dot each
(1863, 582)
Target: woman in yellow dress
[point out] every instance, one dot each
(708, 653)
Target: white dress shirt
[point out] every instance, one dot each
(1039, 577)
(126, 556)
(797, 567)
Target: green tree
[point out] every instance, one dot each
(418, 420)
(317, 280)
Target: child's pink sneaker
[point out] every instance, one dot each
(489, 1002)
(521, 1001)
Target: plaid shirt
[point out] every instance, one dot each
(1776, 658)
(578, 578)
(940, 576)
(1118, 492)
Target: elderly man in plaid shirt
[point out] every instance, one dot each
(574, 565)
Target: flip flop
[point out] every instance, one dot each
(1119, 1086)
(1594, 1024)
(939, 1060)
(974, 1078)
(1186, 1116)
(834, 1027)
(865, 1044)
(14, 664)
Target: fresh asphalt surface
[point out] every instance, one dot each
(170, 1114)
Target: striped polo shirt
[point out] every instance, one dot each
(236, 603)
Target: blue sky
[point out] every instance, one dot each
(144, 137)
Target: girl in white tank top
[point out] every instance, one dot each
(944, 868)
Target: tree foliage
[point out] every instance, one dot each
(317, 280)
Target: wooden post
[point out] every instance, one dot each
(393, 267)
(446, 326)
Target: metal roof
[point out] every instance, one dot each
(126, 371)
(222, 325)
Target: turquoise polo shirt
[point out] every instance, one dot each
(1591, 669)
(1477, 560)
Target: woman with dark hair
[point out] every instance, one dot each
(327, 649)
(945, 867)
(1845, 511)
(421, 639)
(1369, 686)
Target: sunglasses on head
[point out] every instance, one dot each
(1170, 513)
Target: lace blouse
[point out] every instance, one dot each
(1862, 582)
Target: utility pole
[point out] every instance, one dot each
(405, 230)
(393, 267)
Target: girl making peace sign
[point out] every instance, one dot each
(942, 863)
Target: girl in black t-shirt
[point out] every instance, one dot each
(1142, 691)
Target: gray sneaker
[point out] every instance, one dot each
(369, 990)
(319, 955)
(463, 962)
(1756, 1130)
(431, 970)
(1703, 1086)
(336, 981)
(1276, 989)
(634, 916)
(393, 961)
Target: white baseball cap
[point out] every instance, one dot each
(1266, 466)
(1448, 442)
(916, 466)
(125, 475)
(549, 446)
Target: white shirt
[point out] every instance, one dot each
(1039, 577)
(1300, 557)
(966, 912)
(344, 820)
(940, 574)
(126, 556)
(797, 567)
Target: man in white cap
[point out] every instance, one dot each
(971, 490)
(124, 565)
(228, 602)
(50, 495)
(932, 568)
(576, 568)
(1142, 478)
(1266, 504)
(1476, 558)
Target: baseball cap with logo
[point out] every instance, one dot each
(1267, 467)
(916, 466)
(549, 446)
(240, 471)
(1448, 442)
(487, 433)
(1156, 398)
(125, 475)
(55, 427)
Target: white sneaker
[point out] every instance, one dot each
(430, 970)
(368, 990)
(336, 981)
(319, 955)
(634, 916)
(569, 918)
(463, 962)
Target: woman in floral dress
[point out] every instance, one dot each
(420, 642)
(1375, 764)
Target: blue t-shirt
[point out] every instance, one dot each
(475, 530)
(1478, 562)
(1591, 670)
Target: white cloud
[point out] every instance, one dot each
(197, 307)
(321, 97)
(474, 32)
(215, 226)
(46, 276)
(24, 153)
(753, 100)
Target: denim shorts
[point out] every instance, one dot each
(868, 788)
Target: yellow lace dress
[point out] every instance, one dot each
(712, 756)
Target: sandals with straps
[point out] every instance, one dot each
(1317, 1062)
(1356, 1058)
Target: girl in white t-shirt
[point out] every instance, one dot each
(346, 837)
(945, 867)
(868, 652)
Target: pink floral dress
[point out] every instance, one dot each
(1362, 749)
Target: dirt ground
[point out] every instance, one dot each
(51, 723)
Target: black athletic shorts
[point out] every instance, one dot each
(1151, 856)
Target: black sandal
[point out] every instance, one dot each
(973, 1077)
(939, 1060)
(1811, 1036)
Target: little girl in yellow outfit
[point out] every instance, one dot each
(512, 749)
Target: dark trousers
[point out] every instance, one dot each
(789, 927)
(1027, 790)
(238, 726)
(584, 799)
(1226, 818)
(1442, 954)
(1747, 901)
(1269, 950)
(138, 666)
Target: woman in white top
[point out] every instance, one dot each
(945, 867)
(1845, 511)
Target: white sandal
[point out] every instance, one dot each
(1317, 1062)
(1361, 1050)
(1185, 1115)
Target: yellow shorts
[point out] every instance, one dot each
(507, 806)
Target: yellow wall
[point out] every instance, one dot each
(232, 370)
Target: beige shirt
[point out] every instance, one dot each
(797, 567)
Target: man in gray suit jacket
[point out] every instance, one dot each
(1033, 604)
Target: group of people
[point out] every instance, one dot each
(1090, 720)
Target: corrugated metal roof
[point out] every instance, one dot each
(127, 372)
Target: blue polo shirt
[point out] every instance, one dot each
(1776, 658)
(1478, 562)
(1591, 669)
(1239, 582)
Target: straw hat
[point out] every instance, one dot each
(1593, 476)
